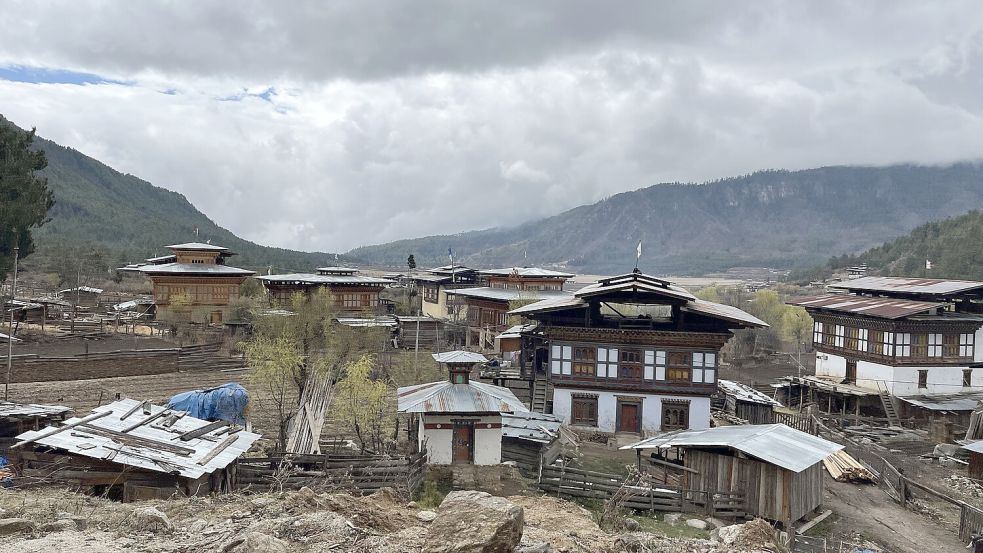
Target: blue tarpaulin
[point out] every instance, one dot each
(226, 402)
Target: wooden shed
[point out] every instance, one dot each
(975, 459)
(744, 402)
(777, 468)
(425, 332)
(532, 440)
(17, 418)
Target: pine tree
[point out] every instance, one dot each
(24, 196)
(411, 262)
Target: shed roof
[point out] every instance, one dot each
(506, 294)
(158, 450)
(934, 286)
(11, 410)
(337, 270)
(517, 330)
(5, 337)
(197, 246)
(86, 289)
(882, 308)
(975, 447)
(363, 322)
(459, 357)
(445, 397)
(743, 392)
(963, 401)
(530, 426)
(530, 272)
(777, 444)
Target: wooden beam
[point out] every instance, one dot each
(218, 449)
(139, 441)
(147, 420)
(68, 426)
(809, 525)
(201, 431)
(133, 410)
(672, 465)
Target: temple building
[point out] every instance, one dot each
(351, 292)
(629, 354)
(194, 284)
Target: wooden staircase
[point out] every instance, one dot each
(542, 391)
(889, 408)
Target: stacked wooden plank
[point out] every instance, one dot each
(844, 468)
(366, 473)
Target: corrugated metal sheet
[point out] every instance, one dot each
(531, 426)
(743, 392)
(308, 278)
(533, 272)
(193, 268)
(975, 447)
(5, 337)
(87, 289)
(197, 246)
(459, 357)
(517, 331)
(725, 312)
(336, 270)
(965, 401)
(83, 440)
(444, 397)
(367, 323)
(10, 410)
(507, 294)
(882, 308)
(637, 283)
(773, 443)
(552, 304)
(908, 285)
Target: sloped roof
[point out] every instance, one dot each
(530, 426)
(551, 304)
(10, 410)
(197, 246)
(160, 449)
(88, 289)
(308, 278)
(343, 270)
(194, 268)
(725, 312)
(531, 272)
(459, 357)
(935, 286)
(444, 397)
(975, 447)
(506, 294)
(882, 308)
(638, 283)
(744, 392)
(773, 443)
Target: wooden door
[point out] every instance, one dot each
(628, 422)
(851, 372)
(462, 447)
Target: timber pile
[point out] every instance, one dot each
(885, 434)
(724, 416)
(304, 433)
(844, 468)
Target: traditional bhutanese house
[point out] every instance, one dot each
(194, 284)
(488, 308)
(525, 278)
(82, 295)
(901, 336)
(351, 292)
(17, 418)
(744, 402)
(778, 469)
(630, 354)
(458, 420)
(133, 450)
(530, 440)
(432, 288)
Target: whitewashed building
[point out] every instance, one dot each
(632, 354)
(459, 420)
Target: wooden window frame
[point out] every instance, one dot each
(677, 408)
(578, 406)
(584, 362)
(922, 379)
(967, 378)
(967, 345)
(631, 364)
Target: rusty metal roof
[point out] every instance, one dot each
(934, 286)
(725, 312)
(882, 308)
(444, 397)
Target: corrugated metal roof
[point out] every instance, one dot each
(10, 410)
(308, 278)
(552, 304)
(531, 272)
(336, 270)
(126, 305)
(743, 392)
(638, 283)
(197, 246)
(88, 289)
(773, 443)
(87, 441)
(194, 268)
(5, 337)
(507, 294)
(725, 312)
(975, 447)
(963, 401)
(531, 426)
(517, 330)
(444, 397)
(908, 285)
(882, 308)
(365, 322)
(459, 357)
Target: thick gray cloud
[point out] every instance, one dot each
(389, 120)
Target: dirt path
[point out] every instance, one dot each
(869, 511)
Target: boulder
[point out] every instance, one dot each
(256, 542)
(542, 547)
(10, 526)
(475, 522)
(672, 519)
(632, 525)
(426, 516)
(60, 525)
(729, 534)
(630, 543)
(697, 523)
(715, 522)
(151, 519)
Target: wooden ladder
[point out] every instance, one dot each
(888, 403)
(541, 389)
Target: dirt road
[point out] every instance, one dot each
(869, 511)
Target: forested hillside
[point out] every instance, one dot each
(769, 218)
(127, 219)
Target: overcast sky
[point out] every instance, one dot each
(329, 125)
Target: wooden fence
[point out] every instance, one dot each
(597, 485)
(366, 473)
(805, 423)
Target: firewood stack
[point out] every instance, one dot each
(844, 468)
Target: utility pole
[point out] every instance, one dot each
(10, 328)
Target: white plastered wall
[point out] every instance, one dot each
(487, 441)
(900, 381)
(607, 409)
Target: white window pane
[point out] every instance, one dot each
(612, 370)
(660, 373)
(567, 352)
(697, 359)
(660, 358)
(697, 375)
(555, 366)
(555, 352)
(649, 372)
(602, 354)
(566, 367)
(710, 360)
(649, 357)
(708, 376)
(602, 370)
(613, 355)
